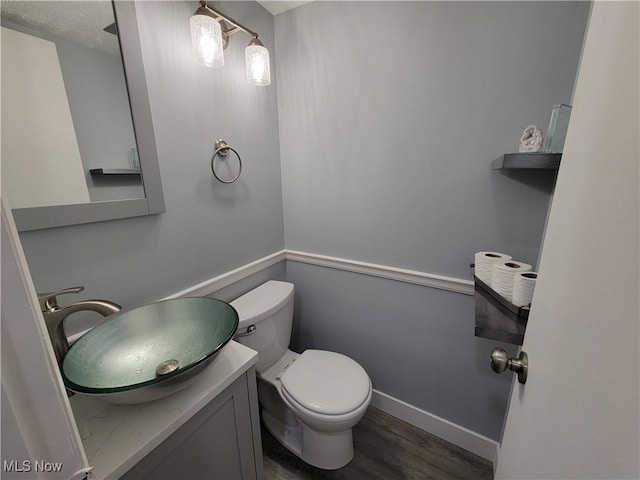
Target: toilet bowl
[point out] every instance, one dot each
(309, 401)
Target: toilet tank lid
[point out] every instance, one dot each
(262, 302)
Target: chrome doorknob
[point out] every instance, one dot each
(500, 363)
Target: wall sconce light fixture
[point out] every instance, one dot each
(210, 35)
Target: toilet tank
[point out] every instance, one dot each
(270, 308)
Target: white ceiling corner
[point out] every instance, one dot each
(276, 7)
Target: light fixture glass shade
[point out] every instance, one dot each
(206, 38)
(257, 59)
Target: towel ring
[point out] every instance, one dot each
(222, 149)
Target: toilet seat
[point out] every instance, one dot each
(318, 419)
(325, 384)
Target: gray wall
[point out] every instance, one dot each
(99, 105)
(208, 228)
(236, 289)
(390, 115)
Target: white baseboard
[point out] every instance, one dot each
(462, 437)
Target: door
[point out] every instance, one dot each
(577, 416)
(39, 434)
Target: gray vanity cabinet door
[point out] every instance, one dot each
(216, 443)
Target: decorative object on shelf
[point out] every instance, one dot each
(557, 132)
(210, 35)
(134, 160)
(484, 262)
(503, 276)
(531, 139)
(222, 150)
(523, 285)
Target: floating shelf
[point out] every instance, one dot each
(496, 317)
(115, 171)
(527, 161)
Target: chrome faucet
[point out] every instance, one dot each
(55, 315)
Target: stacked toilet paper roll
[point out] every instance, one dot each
(523, 285)
(503, 276)
(484, 262)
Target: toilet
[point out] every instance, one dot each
(309, 401)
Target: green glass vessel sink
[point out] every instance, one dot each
(149, 352)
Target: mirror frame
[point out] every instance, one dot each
(36, 218)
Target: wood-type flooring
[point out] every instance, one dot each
(386, 449)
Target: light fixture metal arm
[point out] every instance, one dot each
(237, 25)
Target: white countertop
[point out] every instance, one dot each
(116, 437)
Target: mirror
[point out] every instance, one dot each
(78, 143)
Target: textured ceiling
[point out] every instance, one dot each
(77, 21)
(279, 6)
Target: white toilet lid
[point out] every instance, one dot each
(326, 382)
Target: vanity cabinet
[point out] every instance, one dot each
(208, 430)
(221, 441)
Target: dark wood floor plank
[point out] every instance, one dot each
(273, 469)
(385, 449)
